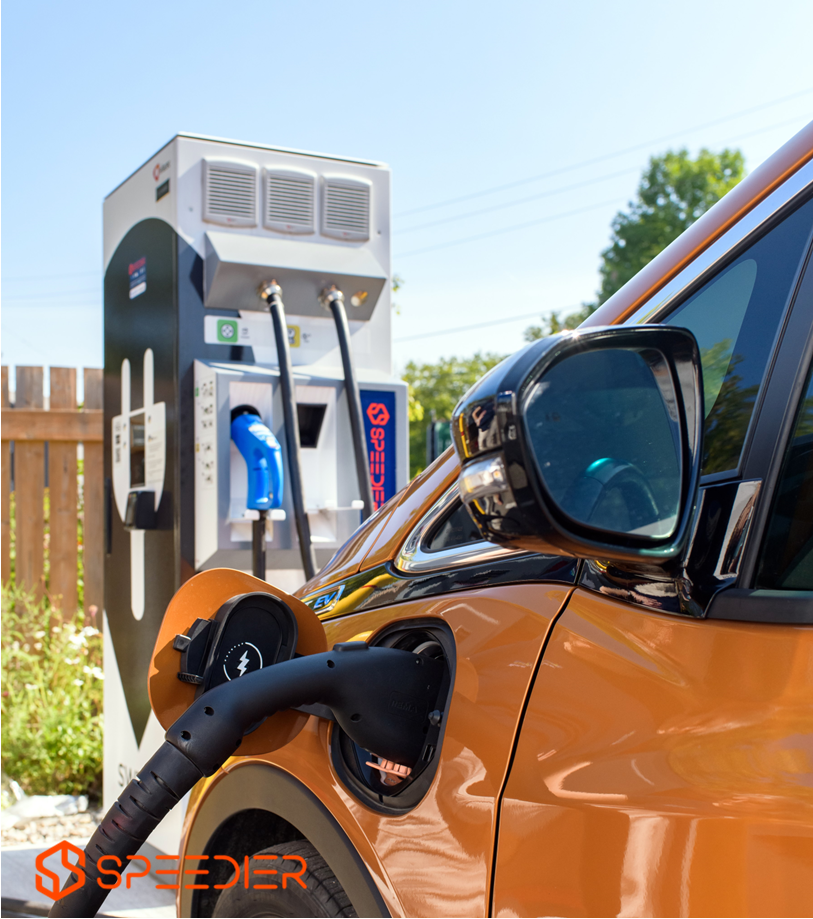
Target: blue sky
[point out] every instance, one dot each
(459, 98)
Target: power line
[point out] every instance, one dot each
(516, 201)
(54, 299)
(57, 296)
(605, 156)
(511, 229)
(482, 325)
(24, 341)
(52, 277)
(522, 226)
(577, 185)
(770, 127)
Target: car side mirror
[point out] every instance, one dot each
(587, 443)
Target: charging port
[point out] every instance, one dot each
(377, 783)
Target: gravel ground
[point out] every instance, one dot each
(47, 830)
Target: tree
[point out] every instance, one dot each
(397, 283)
(673, 192)
(435, 389)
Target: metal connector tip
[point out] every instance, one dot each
(267, 289)
(330, 295)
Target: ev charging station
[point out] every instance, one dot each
(251, 416)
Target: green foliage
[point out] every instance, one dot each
(554, 323)
(414, 408)
(52, 698)
(397, 283)
(715, 361)
(727, 419)
(434, 390)
(673, 192)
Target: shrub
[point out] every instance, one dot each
(52, 698)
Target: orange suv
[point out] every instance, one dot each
(615, 569)
(606, 595)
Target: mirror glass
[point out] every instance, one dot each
(604, 431)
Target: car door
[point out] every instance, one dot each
(496, 607)
(432, 585)
(664, 763)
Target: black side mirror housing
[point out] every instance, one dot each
(587, 443)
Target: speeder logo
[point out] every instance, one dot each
(379, 425)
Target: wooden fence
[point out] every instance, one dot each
(63, 426)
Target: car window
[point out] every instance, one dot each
(735, 318)
(456, 529)
(787, 555)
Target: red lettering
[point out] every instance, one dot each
(116, 874)
(236, 877)
(265, 871)
(378, 441)
(195, 871)
(297, 876)
(146, 871)
(175, 871)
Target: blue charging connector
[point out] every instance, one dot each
(263, 456)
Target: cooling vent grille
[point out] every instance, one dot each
(289, 201)
(230, 194)
(347, 209)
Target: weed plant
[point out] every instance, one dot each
(52, 697)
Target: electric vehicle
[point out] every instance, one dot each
(609, 583)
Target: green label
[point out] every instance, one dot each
(227, 330)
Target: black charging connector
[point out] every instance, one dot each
(382, 698)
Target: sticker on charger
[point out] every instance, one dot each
(138, 277)
(218, 330)
(378, 408)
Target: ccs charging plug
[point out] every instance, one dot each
(263, 456)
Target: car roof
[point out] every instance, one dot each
(701, 234)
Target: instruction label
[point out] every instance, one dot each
(138, 277)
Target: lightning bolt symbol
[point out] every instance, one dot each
(243, 663)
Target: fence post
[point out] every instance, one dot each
(5, 491)
(94, 504)
(29, 486)
(63, 499)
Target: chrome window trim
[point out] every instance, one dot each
(664, 301)
(414, 558)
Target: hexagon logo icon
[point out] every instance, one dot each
(378, 414)
(63, 848)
